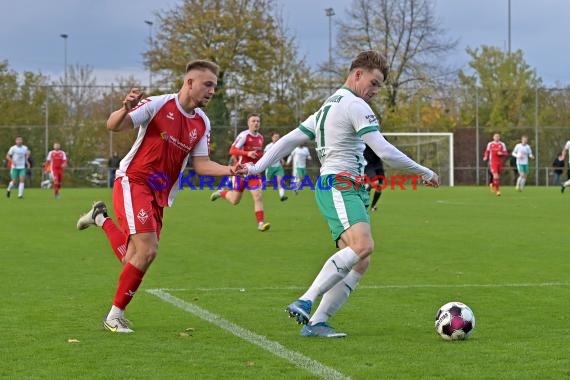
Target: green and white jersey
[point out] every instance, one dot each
(337, 128)
(18, 156)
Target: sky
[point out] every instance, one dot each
(111, 35)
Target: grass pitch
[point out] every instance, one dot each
(220, 313)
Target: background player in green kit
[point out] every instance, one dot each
(341, 127)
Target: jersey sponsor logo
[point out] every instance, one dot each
(142, 216)
(371, 118)
(170, 115)
(173, 140)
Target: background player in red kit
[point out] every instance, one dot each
(57, 161)
(248, 148)
(172, 128)
(495, 152)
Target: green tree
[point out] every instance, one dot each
(244, 38)
(406, 32)
(505, 85)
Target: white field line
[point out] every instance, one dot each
(275, 348)
(409, 286)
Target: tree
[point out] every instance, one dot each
(241, 36)
(405, 31)
(506, 87)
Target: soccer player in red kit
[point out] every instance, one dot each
(57, 160)
(248, 148)
(171, 129)
(495, 152)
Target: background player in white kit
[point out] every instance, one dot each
(275, 171)
(299, 156)
(339, 128)
(522, 152)
(18, 155)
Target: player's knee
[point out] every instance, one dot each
(149, 254)
(363, 248)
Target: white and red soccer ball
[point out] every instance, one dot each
(454, 321)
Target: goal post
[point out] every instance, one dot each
(431, 149)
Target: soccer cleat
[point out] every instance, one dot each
(8, 193)
(263, 226)
(321, 329)
(562, 188)
(117, 325)
(373, 208)
(20, 197)
(300, 310)
(88, 219)
(284, 198)
(498, 193)
(215, 195)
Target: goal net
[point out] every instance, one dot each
(434, 150)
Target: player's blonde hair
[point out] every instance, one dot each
(202, 64)
(370, 60)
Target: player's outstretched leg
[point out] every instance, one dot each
(300, 310)
(97, 211)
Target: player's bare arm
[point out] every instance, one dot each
(118, 120)
(204, 166)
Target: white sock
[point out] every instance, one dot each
(566, 184)
(100, 219)
(335, 269)
(523, 182)
(10, 185)
(519, 182)
(281, 193)
(336, 297)
(115, 312)
(21, 189)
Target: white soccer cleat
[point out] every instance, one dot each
(88, 219)
(117, 325)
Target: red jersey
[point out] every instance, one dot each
(247, 141)
(56, 160)
(167, 137)
(495, 152)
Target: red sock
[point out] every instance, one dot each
(129, 282)
(496, 183)
(259, 216)
(223, 193)
(116, 237)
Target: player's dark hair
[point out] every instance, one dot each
(370, 60)
(253, 115)
(202, 64)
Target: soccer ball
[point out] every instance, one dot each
(454, 321)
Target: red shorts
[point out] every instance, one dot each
(135, 208)
(57, 176)
(496, 168)
(253, 182)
